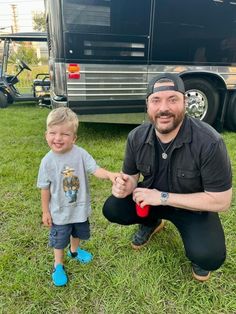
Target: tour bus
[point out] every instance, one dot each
(103, 52)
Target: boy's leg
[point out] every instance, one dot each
(80, 231)
(59, 239)
(74, 244)
(58, 257)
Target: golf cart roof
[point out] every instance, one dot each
(34, 36)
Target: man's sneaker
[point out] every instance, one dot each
(82, 256)
(199, 273)
(59, 276)
(144, 234)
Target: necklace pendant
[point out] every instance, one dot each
(164, 156)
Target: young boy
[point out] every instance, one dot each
(64, 188)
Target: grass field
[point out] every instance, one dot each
(119, 281)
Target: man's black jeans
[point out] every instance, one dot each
(201, 232)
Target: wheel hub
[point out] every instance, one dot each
(197, 104)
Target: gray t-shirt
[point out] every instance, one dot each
(66, 177)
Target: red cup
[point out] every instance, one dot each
(142, 212)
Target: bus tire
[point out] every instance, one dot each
(3, 100)
(202, 99)
(230, 117)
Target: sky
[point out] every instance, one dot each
(24, 9)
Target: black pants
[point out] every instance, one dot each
(201, 232)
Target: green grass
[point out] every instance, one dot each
(120, 281)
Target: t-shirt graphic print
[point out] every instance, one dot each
(70, 184)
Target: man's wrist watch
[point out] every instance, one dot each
(164, 197)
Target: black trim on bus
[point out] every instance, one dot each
(107, 106)
(106, 47)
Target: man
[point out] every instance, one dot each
(186, 178)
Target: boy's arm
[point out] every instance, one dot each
(45, 198)
(102, 173)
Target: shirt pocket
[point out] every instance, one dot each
(188, 181)
(188, 174)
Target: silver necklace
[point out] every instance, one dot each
(164, 154)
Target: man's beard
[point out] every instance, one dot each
(177, 120)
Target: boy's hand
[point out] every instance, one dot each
(47, 219)
(113, 176)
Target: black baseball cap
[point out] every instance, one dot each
(175, 78)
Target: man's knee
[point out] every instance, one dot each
(112, 209)
(108, 209)
(119, 210)
(207, 259)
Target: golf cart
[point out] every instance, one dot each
(40, 87)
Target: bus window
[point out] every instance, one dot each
(107, 16)
(187, 32)
(123, 34)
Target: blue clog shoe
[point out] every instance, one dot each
(59, 276)
(82, 256)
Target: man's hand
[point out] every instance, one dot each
(47, 219)
(199, 201)
(124, 185)
(143, 196)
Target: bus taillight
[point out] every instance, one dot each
(73, 67)
(73, 71)
(74, 76)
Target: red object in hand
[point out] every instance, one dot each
(142, 212)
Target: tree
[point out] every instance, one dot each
(26, 53)
(39, 21)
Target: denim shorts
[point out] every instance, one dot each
(59, 236)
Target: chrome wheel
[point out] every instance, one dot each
(197, 103)
(202, 99)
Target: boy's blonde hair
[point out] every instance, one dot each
(63, 115)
